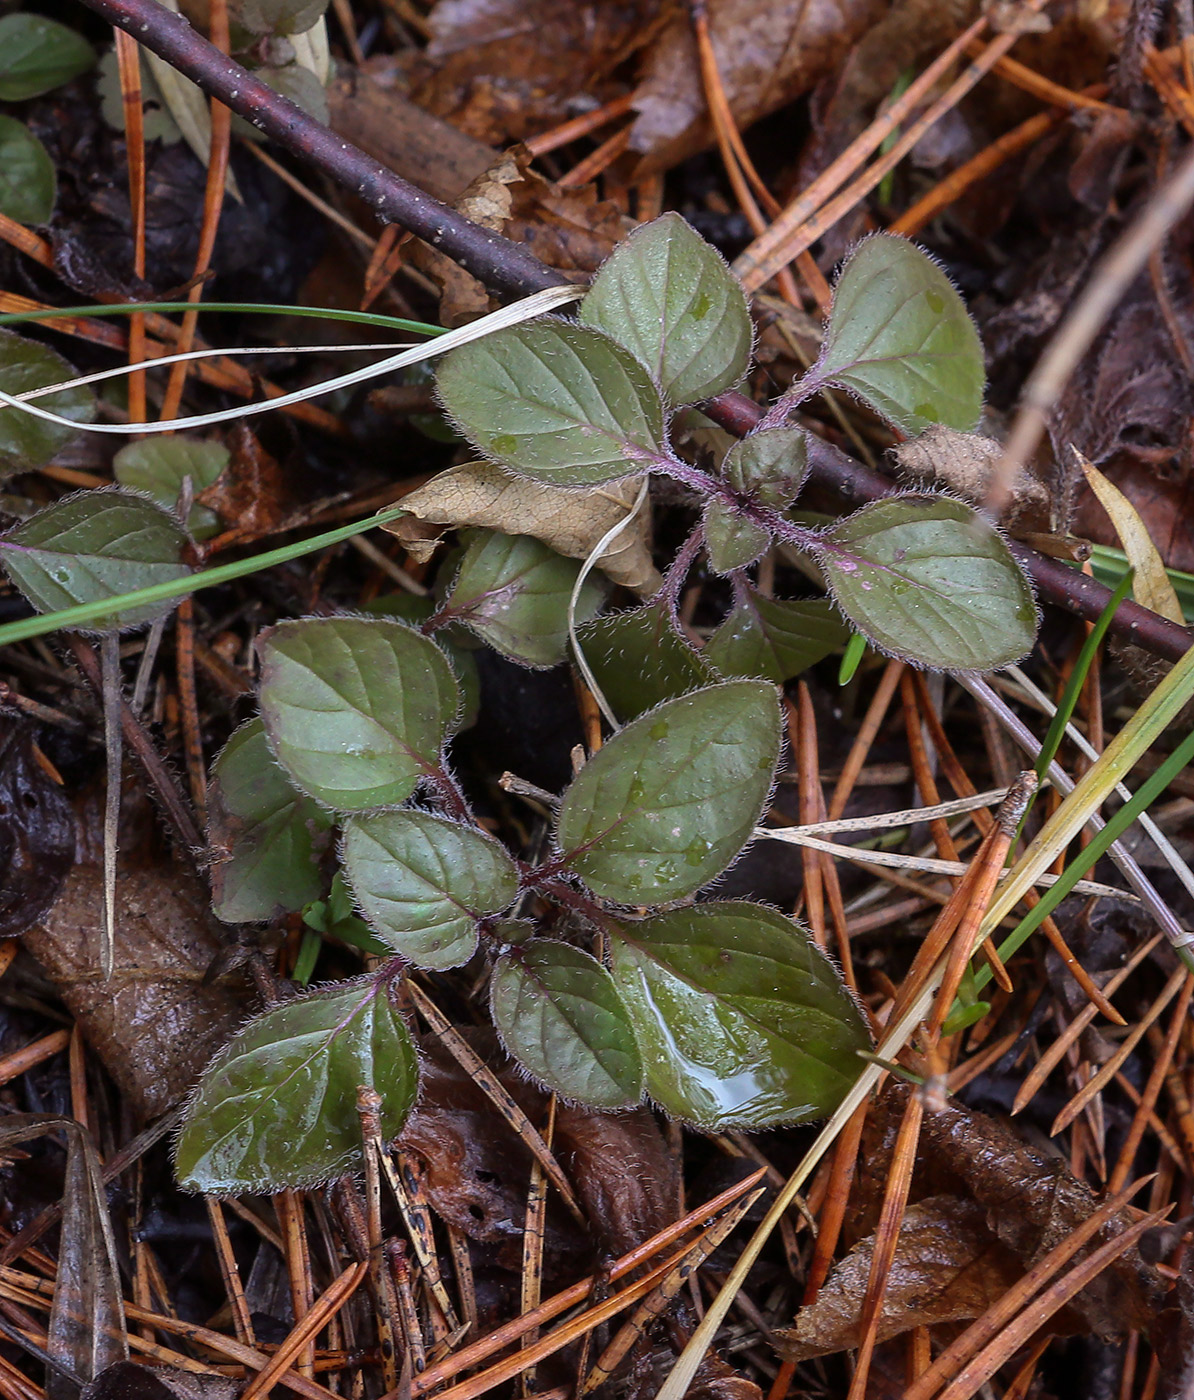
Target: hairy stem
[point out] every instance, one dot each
(508, 268)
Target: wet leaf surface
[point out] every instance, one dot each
(27, 442)
(742, 1021)
(671, 799)
(669, 297)
(27, 180)
(900, 337)
(278, 1103)
(554, 401)
(639, 659)
(560, 1015)
(776, 639)
(92, 546)
(38, 55)
(732, 541)
(268, 838)
(422, 883)
(355, 710)
(926, 578)
(514, 592)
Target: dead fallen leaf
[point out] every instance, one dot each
(571, 522)
(948, 1267)
(504, 70)
(128, 1380)
(568, 229)
(37, 830)
(86, 1331)
(253, 496)
(1032, 1202)
(154, 1024)
(475, 1169)
(1150, 584)
(767, 55)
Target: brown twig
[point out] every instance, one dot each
(509, 268)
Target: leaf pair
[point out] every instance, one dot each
(725, 1013)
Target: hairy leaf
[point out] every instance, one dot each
(422, 883)
(741, 1019)
(277, 1106)
(669, 297)
(96, 545)
(415, 611)
(27, 443)
(732, 541)
(769, 637)
(160, 465)
(38, 55)
(671, 799)
(560, 1015)
(900, 337)
(554, 401)
(769, 466)
(639, 659)
(513, 592)
(356, 709)
(927, 579)
(27, 180)
(267, 836)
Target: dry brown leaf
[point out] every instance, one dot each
(507, 69)
(1150, 585)
(571, 522)
(37, 830)
(1032, 1202)
(86, 1332)
(948, 1267)
(154, 1025)
(767, 55)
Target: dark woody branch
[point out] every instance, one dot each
(509, 269)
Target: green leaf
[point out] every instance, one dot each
(277, 1106)
(356, 709)
(416, 611)
(900, 338)
(513, 592)
(27, 443)
(769, 467)
(276, 16)
(159, 466)
(268, 837)
(422, 883)
(742, 1021)
(27, 180)
(639, 659)
(95, 545)
(671, 799)
(38, 55)
(669, 297)
(554, 401)
(776, 639)
(731, 540)
(927, 579)
(561, 1017)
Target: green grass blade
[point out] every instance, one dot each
(255, 308)
(85, 613)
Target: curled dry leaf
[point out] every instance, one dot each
(154, 1024)
(767, 55)
(948, 1267)
(571, 522)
